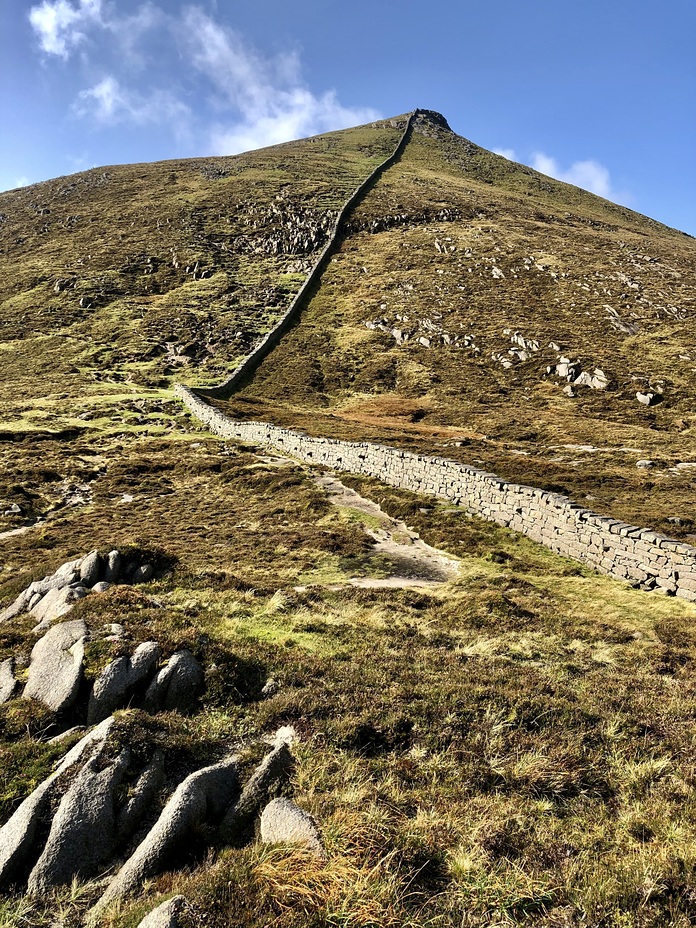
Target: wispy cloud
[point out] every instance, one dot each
(245, 99)
(62, 26)
(110, 103)
(269, 101)
(591, 174)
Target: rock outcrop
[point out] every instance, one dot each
(120, 680)
(55, 671)
(82, 834)
(8, 684)
(142, 795)
(273, 768)
(165, 915)
(201, 798)
(18, 834)
(177, 686)
(53, 597)
(55, 604)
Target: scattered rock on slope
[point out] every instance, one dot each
(283, 822)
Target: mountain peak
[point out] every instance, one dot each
(425, 121)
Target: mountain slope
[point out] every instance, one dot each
(467, 293)
(130, 273)
(506, 742)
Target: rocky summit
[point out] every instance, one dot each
(347, 544)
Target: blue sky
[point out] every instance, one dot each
(597, 93)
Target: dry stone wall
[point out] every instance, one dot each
(272, 339)
(626, 552)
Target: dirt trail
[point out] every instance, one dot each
(21, 530)
(408, 559)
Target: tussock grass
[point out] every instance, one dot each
(513, 748)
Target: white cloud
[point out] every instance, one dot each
(60, 25)
(129, 32)
(271, 103)
(291, 114)
(244, 99)
(110, 103)
(590, 175)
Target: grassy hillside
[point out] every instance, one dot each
(132, 275)
(513, 746)
(463, 279)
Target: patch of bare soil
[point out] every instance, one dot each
(407, 559)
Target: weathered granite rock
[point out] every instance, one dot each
(143, 573)
(283, 822)
(120, 679)
(101, 587)
(69, 572)
(55, 671)
(201, 797)
(17, 607)
(66, 574)
(57, 603)
(82, 835)
(165, 915)
(90, 568)
(31, 596)
(112, 567)
(8, 683)
(144, 791)
(275, 767)
(177, 686)
(18, 834)
(270, 688)
(68, 733)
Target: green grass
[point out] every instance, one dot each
(511, 748)
(333, 376)
(505, 744)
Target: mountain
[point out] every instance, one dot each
(484, 732)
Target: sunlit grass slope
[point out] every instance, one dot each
(464, 278)
(513, 747)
